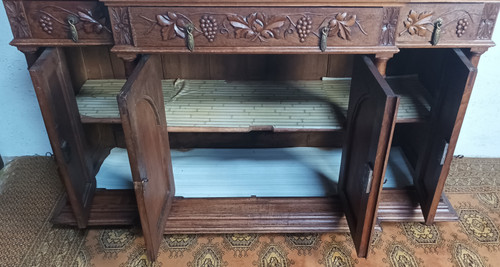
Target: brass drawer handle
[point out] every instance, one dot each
(324, 38)
(190, 37)
(436, 34)
(72, 20)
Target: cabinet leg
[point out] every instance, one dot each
(129, 61)
(381, 62)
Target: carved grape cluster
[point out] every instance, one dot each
(304, 25)
(46, 24)
(462, 26)
(208, 25)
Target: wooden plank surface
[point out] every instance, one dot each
(229, 215)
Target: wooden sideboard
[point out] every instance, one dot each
(410, 67)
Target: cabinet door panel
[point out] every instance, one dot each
(142, 112)
(454, 85)
(55, 94)
(370, 123)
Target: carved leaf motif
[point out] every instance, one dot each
(172, 26)
(92, 22)
(340, 26)
(416, 23)
(256, 25)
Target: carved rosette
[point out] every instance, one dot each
(17, 19)
(256, 26)
(90, 21)
(121, 25)
(388, 34)
(488, 19)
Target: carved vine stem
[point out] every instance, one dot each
(253, 27)
(420, 23)
(88, 20)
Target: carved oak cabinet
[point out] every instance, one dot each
(137, 74)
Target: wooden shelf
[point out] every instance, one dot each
(275, 172)
(223, 106)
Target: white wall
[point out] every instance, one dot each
(22, 131)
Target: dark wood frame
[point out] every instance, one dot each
(80, 148)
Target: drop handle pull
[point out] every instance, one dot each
(323, 39)
(190, 37)
(72, 21)
(436, 33)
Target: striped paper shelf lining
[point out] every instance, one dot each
(245, 104)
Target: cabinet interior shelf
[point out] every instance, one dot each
(244, 106)
(269, 172)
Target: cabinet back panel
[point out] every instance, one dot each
(97, 62)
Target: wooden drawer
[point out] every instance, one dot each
(461, 24)
(249, 29)
(47, 23)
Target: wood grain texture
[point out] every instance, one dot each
(237, 27)
(272, 3)
(416, 23)
(145, 128)
(55, 95)
(48, 20)
(233, 215)
(370, 123)
(455, 87)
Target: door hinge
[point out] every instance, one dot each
(445, 152)
(370, 178)
(66, 151)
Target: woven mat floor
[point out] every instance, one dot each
(29, 189)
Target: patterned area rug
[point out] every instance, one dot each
(29, 189)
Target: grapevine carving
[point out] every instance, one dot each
(420, 23)
(416, 23)
(340, 26)
(17, 19)
(462, 25)
(90, 21)
(173, 25)
(256, 26)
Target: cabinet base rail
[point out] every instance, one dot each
(250, 215)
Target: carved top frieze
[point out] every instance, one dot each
(256, 26)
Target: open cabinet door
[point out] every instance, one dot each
(371, 117)
(454, 84)
(142, 113)
(56, 97)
